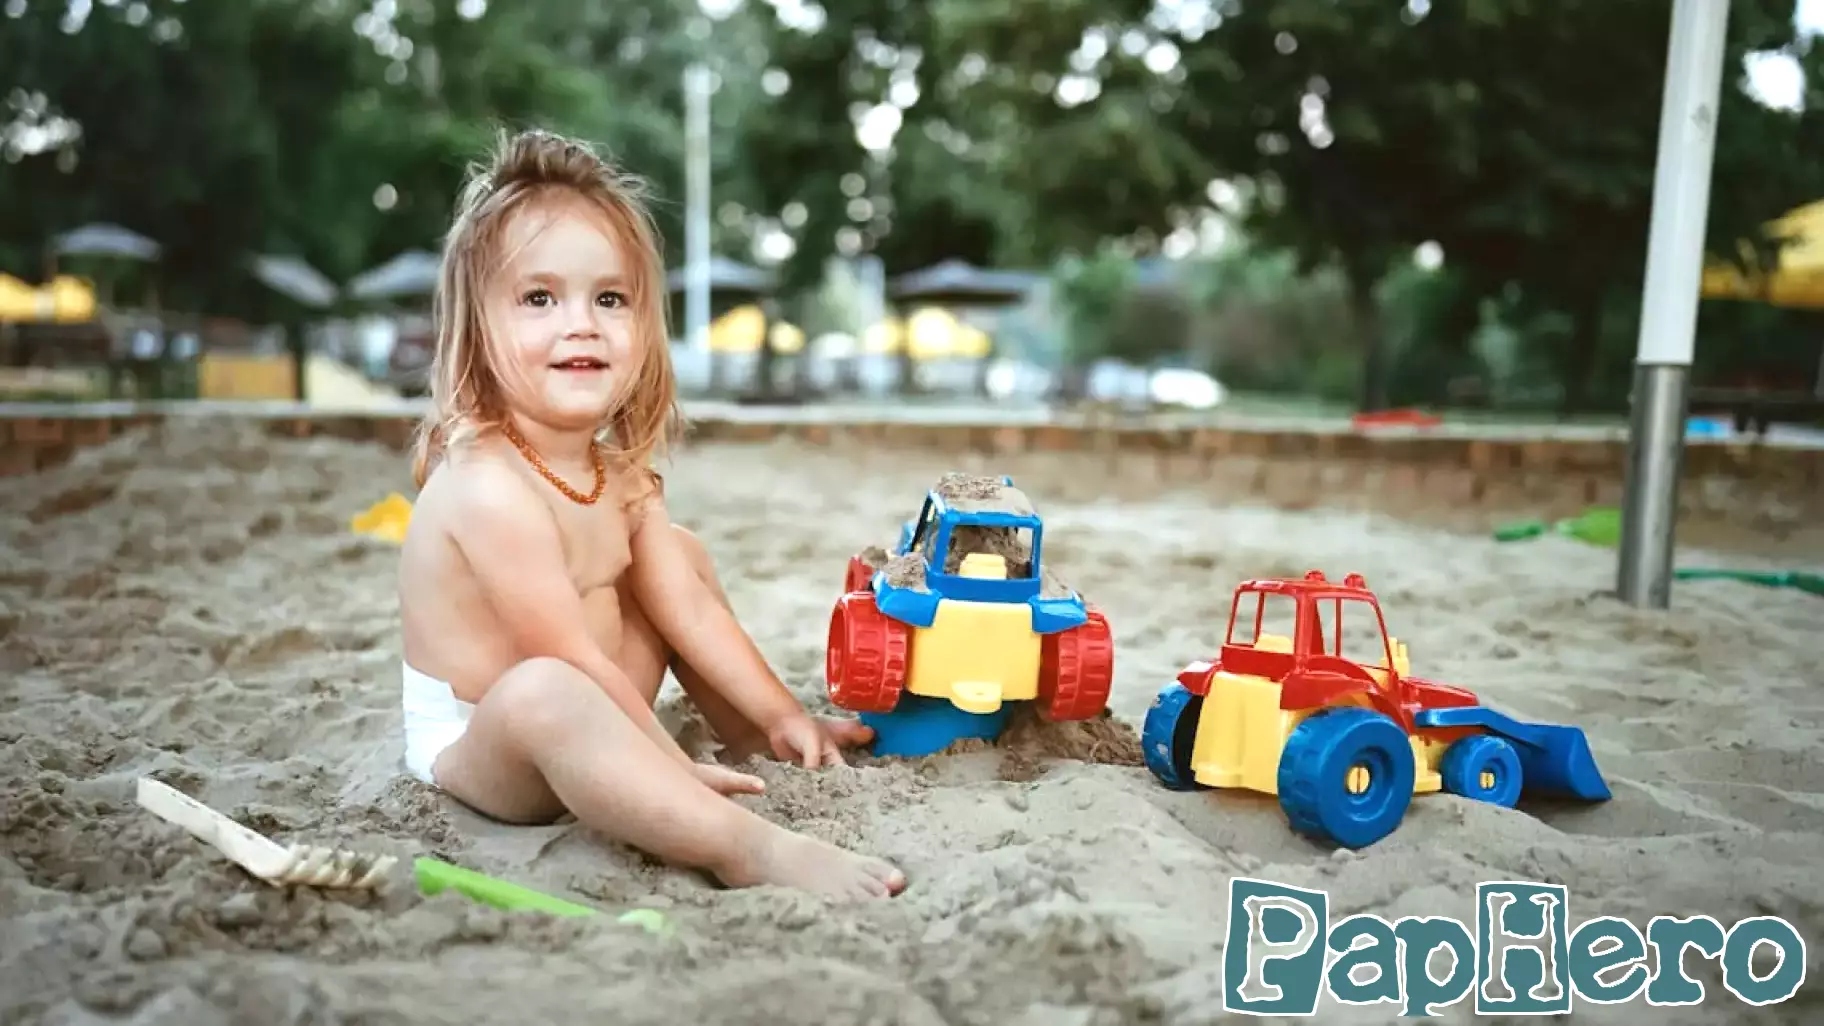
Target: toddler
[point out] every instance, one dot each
(543, 589)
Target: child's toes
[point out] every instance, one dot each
(886, 876)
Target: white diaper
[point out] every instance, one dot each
(434, 720)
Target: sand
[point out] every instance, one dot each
(191, 605)
(973, 493)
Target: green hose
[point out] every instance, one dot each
(1802, 580)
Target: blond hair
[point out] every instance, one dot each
(466, 394)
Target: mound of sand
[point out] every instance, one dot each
(973, 493)
(191, 605)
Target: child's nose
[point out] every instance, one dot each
(581, 323)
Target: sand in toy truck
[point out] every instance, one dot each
(931, 641)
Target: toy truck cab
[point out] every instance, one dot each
(961, 614)
(1322, 711)
(1334, 650)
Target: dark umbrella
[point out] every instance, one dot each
(294, 279)
(959, 283)
(412, 273)
(725, 275)
(105, 240)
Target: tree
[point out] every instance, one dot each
(1518, 133)
(290, 126)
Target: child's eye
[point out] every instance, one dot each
(612, 300)
(537, 297)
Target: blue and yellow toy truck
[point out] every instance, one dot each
(929, 643)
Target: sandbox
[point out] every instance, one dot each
(193, 606)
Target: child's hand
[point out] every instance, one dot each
(725, 781)
(814, 742)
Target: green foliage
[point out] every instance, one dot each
(1092, 292)
(227, 129)
(1268, 328)
(1519, 135)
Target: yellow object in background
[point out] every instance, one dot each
(738, 331)
(883, 338)
(385, 520)
(930, 333)
(237, 376)
(786, 337)
(935, 333)
(741, 330)
(1798, 280)
(64, 300)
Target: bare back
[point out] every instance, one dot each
(452, 628)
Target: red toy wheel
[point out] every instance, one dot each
(1076, 669)
(866, 661)
(860, 576)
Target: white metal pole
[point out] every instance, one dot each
(1668, 313)
(697, 87)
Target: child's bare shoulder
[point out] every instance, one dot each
(483, 493)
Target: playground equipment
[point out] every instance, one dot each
(1334, 724)
(931, 645)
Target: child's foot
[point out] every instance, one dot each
(779, 856)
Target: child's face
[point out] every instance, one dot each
(560, 318)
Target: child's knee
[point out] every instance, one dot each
(542, 693)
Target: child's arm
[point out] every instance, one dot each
(511, 542)
(699, 628)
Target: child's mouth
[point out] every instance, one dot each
(580, 364)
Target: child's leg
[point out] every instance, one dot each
(645, 657)
(545, 738)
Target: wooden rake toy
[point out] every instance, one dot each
(277, 864)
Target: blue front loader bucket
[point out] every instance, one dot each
(1554, 759)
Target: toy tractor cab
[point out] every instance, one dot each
(959, 619)
(1312, 700)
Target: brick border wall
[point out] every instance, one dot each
(1744, 483)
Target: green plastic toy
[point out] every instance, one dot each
(1598, 525)
(435, 877)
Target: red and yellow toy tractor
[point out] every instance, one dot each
(1327, 716)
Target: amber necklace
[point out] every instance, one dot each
(595, 453)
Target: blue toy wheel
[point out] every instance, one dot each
(1483, 767)
(1346, 776)
(1168, 735)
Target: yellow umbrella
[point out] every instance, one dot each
(1798, 280)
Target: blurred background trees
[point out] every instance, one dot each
(1370, 203)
